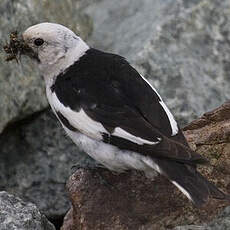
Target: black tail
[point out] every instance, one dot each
(190, 182)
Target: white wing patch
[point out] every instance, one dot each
(119, 132)
(172, 121)
(79, 120)
(182, 190)
(82, 122)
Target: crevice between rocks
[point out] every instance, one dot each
(57, 221)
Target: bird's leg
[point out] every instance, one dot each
(86, 165)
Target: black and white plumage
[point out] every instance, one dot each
(109, 110)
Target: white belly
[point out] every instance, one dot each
(112, 157)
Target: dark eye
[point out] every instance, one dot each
(38, 41)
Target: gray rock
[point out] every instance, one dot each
(222, 222)
(181, 46)
(22, 90)
(35, 162)
(126, 26)
(16, 214)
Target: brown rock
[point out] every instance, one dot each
(132, 201)
(210, 136)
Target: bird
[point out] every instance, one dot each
(112, 112)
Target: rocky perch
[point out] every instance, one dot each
(132, 201)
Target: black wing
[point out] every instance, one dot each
(112, 92)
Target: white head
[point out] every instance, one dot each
(56, 47)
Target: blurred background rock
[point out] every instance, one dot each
(181, 46)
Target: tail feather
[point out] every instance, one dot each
(190, 182)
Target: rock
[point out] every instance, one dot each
(16, 214)
(22, 90)
(103, 200)
(182, 47)
(220, 223)
(209, 135)
(35, 162)
(68, 219)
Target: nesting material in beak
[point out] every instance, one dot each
(17, 47)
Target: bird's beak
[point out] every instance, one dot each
(18, 46)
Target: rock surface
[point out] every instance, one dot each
(22, 90)
(181, 46)
(210, 136)
(15, 214)
(222, 222)
(35, 162)
(131, 201)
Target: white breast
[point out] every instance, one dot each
(112, 157)
(79, 120)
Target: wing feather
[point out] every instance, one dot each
(108, 100)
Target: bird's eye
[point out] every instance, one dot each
(38, 41)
